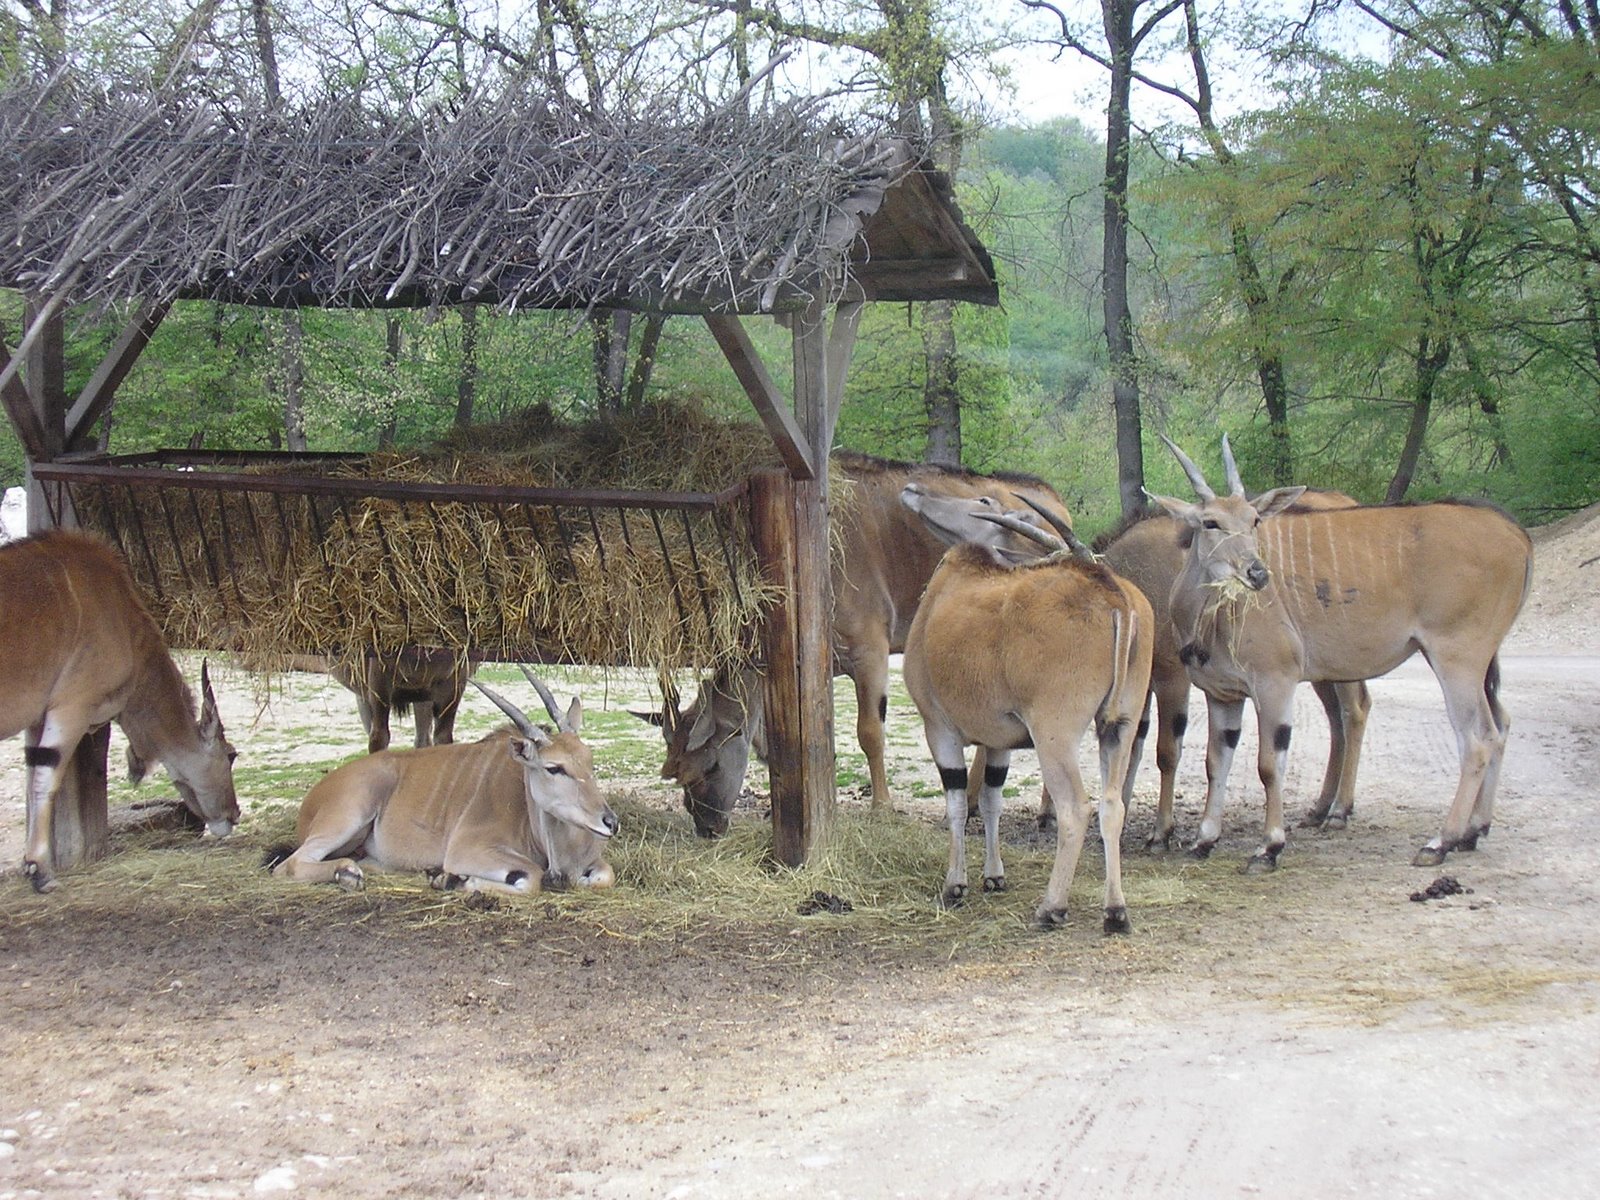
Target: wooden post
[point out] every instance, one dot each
(799, 687)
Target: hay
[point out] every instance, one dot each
(275, 578)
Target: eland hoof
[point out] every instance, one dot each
(1470, 841)
(994, 883)
(350, 879)
(954, 896)
(1050, 918)
(1263, 862)
(1117, 922)
(1161, 843)
(1201, 850)
(1429, 856)
(41, 879)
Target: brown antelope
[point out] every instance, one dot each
(81, 650)
(516, 812)
(429, 681)
(1151, 553)
(1344, 594)
(1008, 656)
(887, 557)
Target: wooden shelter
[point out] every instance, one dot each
(128, 203)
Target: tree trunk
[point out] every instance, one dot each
(1432, 358)
(467, 378)
(291, 378)
(1114, 275)
(645, 362)
(941, 394)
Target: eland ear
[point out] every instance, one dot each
(658, 719)
(1181, 509)
(1269, 503)
(525, 747)
(573, 721)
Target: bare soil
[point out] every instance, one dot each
(1316, 1032)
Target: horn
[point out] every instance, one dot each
(549, 700)
(518, 717)
(1017, 525)
(1235, 484)
(1196, 480)
(671, 703)
(1073, 541)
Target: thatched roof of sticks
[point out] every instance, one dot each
(506, 198)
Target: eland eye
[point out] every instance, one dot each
(1209, 524)
(555, 768)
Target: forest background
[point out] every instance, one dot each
(1361, 238)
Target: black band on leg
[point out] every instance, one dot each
(1230, 738)
(994, 775)
(41, 756)
(954, 779)
(1280, 737)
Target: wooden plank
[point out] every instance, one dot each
(786, 433)
(101, 389)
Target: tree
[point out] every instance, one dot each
(1126, 25)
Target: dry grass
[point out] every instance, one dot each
(274, 579)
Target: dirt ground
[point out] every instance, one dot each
(1311, 1033)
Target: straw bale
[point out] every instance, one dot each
(274, 578)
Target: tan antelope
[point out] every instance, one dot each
(1151, 553)
(427, 680)
(1007, 656)
(81, 650)
(887, 557)
(516, 812)
(1270, 596)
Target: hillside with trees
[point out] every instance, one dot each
(1383, 277)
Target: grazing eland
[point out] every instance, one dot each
(1270, 596)
(517, 812)
(81, 650)
(886, 557)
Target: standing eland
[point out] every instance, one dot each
(81, 650)
(1008, 655)
(1269, 597)
(883, 561)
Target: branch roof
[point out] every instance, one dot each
(505, 198)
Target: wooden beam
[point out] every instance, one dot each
(19, 407)
(101, 389)
(786, 433)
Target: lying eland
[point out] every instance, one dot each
(80, 650)
(516, 812)
(1269, 597)
(1006, 656)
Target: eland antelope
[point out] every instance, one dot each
(1008, 655)
(429, 681)
(516, 812)
(886, 557)
(1269, 597)
(1151, 552)
(81, 650)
